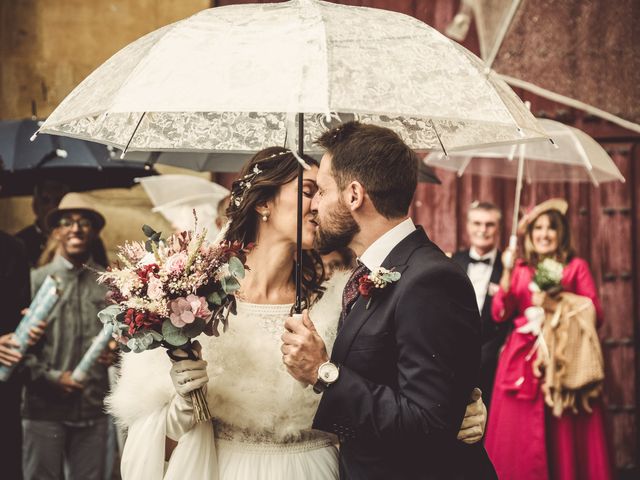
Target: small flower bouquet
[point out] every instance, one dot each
(371, 284)
(547, 277)
(168, 291)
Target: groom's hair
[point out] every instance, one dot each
(377, 158)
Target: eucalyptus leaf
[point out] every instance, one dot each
(214, 298)
(109, 314)
(391, 277)
(148, 246)
(195, 328)
(173, 335)
(148, 231)
(236, 268)
(157, 337)
(140, 342)
(230, 285)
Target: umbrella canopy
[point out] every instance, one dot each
(80, 164)
(232, 79)
(571, 55)
(241, 78)
(177, 196)
(576, 157)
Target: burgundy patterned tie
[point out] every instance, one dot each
(350, 293)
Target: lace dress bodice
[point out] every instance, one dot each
(251, 395)
(262, 416)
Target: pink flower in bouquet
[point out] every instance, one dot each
(154, 289)
(186, 310)
(176, 263)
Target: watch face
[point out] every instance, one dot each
(328, 373)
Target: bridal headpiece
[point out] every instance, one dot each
(240, 187)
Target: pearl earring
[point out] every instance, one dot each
(265, 216)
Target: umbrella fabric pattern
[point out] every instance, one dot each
(231, 79)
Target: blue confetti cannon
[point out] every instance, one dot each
(99, 343)
(40, 308)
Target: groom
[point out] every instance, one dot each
(407, 353)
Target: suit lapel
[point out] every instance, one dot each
(465, 260)
(359, 314)
(497, 268)
(495, 278)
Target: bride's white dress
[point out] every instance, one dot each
(262, 417)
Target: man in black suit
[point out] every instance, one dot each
(483, 264)
(406, 357)
(14, 296)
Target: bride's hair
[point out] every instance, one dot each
(276, 166)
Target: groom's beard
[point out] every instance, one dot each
(336, 231)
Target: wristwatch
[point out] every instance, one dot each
(327, 375)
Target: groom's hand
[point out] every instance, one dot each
(303, 350)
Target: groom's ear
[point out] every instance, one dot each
(355, 195)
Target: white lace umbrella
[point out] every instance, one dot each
(575, 157)
(225, 79)
(177, 196)
(238, 78)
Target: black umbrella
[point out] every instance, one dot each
(80, 164)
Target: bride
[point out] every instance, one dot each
(261, 416)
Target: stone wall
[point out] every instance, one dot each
(47, 47)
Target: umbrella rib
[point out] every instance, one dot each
(132, 135)
(504, 27)
(584, 158)
(438, 137)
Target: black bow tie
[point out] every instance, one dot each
(486, 261)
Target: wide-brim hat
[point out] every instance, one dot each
(558, 204)
(75, 202)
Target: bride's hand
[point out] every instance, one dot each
(475, 419)
(188, 375)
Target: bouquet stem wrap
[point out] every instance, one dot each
(201, 411)
(40, 308)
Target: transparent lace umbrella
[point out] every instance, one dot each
(244, 77)
(177, 196)
(573, 157)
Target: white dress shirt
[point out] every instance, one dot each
(381, 248)
(480, 274)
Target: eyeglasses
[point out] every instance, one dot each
(67, 222)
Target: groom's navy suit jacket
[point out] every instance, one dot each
(408, 365)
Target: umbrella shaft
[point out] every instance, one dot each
(516, 203)
(298, 304)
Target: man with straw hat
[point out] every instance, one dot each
(64, 424)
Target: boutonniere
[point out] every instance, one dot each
(373, 283)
